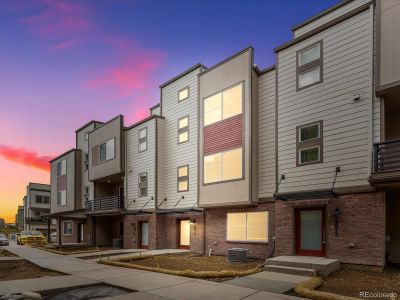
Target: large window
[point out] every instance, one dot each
(183, 178)
(223, 166)
(67, 226)
(61, 198)
(250, 226)
(183, 94)
(142, 184)
(42, 199)
(107, 150)
(62, 167)
(223, 105)
(183, 130)
(309, 66)
(143, 139)
(309, 143)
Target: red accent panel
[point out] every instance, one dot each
(62, 183)
(223, 135)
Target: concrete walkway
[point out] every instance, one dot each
(149, 285)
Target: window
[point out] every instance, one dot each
(183, 178)
(142, 184)
(46, 199)
(309, 66)
(67, 225)
(61, 167)
(107, 150)
(183, 130)
(223, 166)
(86, 193)
(309, 143)
(143, 139)
(223, 105)
(183, 94)
(39, 199)
(86, 162)
(251, 226)
(61, 198)
(86, 136)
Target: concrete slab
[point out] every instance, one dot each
(109, 273)
(262, 284)
(271, 296)
(10, 258)
(199, 291)
(136, 296)
(280, 277)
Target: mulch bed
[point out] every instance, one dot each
(5, 253)
(23, 269)
(348, 282)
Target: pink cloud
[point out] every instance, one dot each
(25, 157)
(140, 113)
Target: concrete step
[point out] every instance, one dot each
(290, 270)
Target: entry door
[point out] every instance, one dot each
(184, 234)
(310, 231)
(144, 235)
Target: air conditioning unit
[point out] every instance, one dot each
(237, 254)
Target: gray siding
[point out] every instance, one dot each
(347, 134)
(138, 162)
(266, 137)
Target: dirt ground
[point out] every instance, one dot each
(4, 252)
(348, 282)
(23, 269)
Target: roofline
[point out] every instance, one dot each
(87, 124)
(196, 66)
(143, 121)
(263, 71)
(63, 154)
(109, 121)
(227, 59)
(38, 183)
(321, 14)
(325, 26)
(154, 106)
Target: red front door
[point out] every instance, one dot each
(310, 231)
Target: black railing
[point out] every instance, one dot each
(386, 156)
(105, 204)
(37, 220)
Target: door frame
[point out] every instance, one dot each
(140, 245)
(179, 246)
(297, 231)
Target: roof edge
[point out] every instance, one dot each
(63, 154)
(87, 124)
(192, 68)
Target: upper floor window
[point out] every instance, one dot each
(61, 198)
(183, 178)
(86, 193)
(86, 161)
(142, 184)
(309, 143)
(42, 199)
(223, 166)
(143, 139)
(86, 136)
(183, 130)
(223, 105)
(309, 66)
(183, 94)
(107, 150)
(61, 167)
(250, 226)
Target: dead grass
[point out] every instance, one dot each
(23, 269)
(74, 250)
(6, 253)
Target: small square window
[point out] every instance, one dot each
(183, 94)
(86, 136)
(309, 155)
(183, 178)
(183, 130)
(309, 66)
(143, 139)
(309, 132)
(309, 143)
(142, 184)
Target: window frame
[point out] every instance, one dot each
(86, 135)
(182, 178)
(48, 200)
(309, 144)
(266, 241)
(59, 203)
(105, 145)
(59, 167)
(143, 139)
(36, 199)
(147, 185)
(310, 65)
(72, 228)
(184, 129)
(181, 90)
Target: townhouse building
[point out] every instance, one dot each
(36, 206)
(300, 158)
(19, 217)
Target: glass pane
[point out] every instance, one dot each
(309, 155)
(63, 167)
(183, 171)
(310, 225)
(183, 137)
(185, 233)
(309, 77)
(232, 101)
(310, 132)
(183, 122)
(212, 168)
(182, 186)
(102, 152)
(236, 226)
(309, 55)
(232, 164)
(183, 94)
(145, 234)
(110, 149)
(257, 226)
(142, 146)
(212, 109)
(142, 133)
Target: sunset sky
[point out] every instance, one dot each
(64, 63)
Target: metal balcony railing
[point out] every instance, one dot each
(105, 204)
(386, 156)
(37, 220)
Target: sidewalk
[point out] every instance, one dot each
(150, 285)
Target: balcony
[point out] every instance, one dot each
(35, 220)
(386, 163)
(105, 204)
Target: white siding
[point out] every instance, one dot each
(347, 136)
(266, 138)
(138, 162)
(329, 17)
(171, 154)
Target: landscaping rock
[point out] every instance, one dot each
(31, 295)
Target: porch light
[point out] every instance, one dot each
(192, 221)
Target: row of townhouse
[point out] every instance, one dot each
(301, 158)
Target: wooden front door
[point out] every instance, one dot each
(310, 231)
(184, 234)
(144, 235)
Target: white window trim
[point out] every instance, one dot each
(145, 139)
(313, 161)
(310, 125)
(248, 241)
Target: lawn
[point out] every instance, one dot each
(23, 269)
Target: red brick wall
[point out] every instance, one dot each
(215, 219)
(361, 235)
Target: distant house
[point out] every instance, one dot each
(19, 217)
